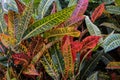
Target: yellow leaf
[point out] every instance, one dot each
(8, 41)
(113, 65)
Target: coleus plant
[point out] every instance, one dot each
(50, 40)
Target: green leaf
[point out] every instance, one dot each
(113, 9)
(2, 22)
(72, 2)
(59, 7)
(110, 25)
(24, 21)
(43, 7)
(57, 58)
(117, 2)
(111, 42)
(70, 31)
(90, 65)
(49, 66)
(92, 28)
(48, 22)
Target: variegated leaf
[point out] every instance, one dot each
(24, 21)
(111, 42)
(92, 28)
(43, 7)
(48, 22)
(49, 66)
(67, 55)
(58, 32)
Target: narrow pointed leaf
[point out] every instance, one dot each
(21, 6)
(61, 32)
(57, 58)
(43, 7)
(111, 42)
(49, 66)
(30, 71)
(67, 55)
(97, 12)
(90, 65)
(48, 22)
(113, 65)
(24, 21)
(110, 25)
(80, 8)
(54, 10)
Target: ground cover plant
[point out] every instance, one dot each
(59, 39)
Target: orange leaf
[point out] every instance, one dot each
(113, 65)
(67, 55)
(30, 71)
(20, 59)
(98, 12)
(8, 41)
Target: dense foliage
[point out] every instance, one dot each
(59, 39)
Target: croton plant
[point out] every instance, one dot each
(58, 40)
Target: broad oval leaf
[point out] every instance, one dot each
(80, 8)
(48, 22)
(92, 28)
(97, 12)
(113, 9)
(43, 7)
(70, 31)
(111, 42)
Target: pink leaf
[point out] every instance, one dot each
(81, 8)
(54, 10)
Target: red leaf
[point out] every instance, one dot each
(98, 12)
(20, 58)
(76, 47)
(21, 6)
(89, 43)
(30, 71)
(54, 10)
(6, 18)
(81, 8)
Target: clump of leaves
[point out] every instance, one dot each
(65, 41)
